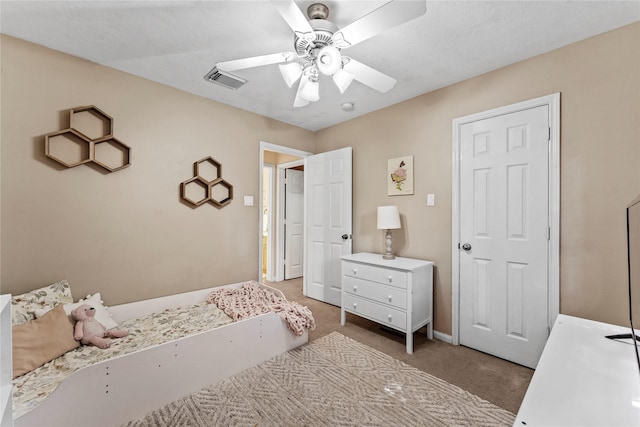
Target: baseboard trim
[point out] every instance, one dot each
(443, 337)
(436, 335)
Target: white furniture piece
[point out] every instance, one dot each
(583, 378)
(158, 375)
(6, 367)
(397, 293)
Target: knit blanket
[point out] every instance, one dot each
(253, 300)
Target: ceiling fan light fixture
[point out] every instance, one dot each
(310, 91)
(299, 101)
(343, 79)
(291, 72)
(328, 60)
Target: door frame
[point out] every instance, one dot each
(280, 192)
(553, 103)
(270, 204)
(266, 146)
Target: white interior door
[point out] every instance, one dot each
(327, 222)
(504, 235)
(294, 223)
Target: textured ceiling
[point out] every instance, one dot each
(177, 42)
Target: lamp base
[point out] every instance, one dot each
(387, 250)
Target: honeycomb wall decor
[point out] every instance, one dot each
(206, 185)
(89, 139)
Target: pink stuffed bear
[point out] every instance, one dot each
(89, 331)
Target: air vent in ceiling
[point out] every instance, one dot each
(225, 79)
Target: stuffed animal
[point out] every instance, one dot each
(89, 331)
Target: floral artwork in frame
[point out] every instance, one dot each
(400, 176)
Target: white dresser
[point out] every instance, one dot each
(396, 293)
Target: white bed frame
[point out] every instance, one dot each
(121, 389)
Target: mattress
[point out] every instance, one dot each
(144, 332)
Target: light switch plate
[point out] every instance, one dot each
(248, 200)
(431, 199)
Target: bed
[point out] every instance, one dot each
(130, 379)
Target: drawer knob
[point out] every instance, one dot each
(389, 317)
(355, 271)
(390, 279)
(355, 288)
(355, 305)
(390, 297)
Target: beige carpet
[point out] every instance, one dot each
(496, 380)
(333, 381)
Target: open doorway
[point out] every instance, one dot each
(275, 160)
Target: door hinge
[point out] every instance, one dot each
(548, 331)
(549, 134)
(548, 233)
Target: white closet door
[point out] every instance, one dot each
(504, 232)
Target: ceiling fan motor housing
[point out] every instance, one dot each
(318, 11)
(323, 31)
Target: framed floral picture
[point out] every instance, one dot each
(400, 176)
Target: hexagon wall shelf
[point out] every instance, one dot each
(91, 122)
(195, 191)
(206, 185)
(89, 139)
(67, 147)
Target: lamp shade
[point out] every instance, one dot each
(291, 72)
(299, 100)
(329, 60)
(388, 217)
(310, 91)
(343, 79)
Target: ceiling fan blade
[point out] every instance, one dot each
(291, 13)
(385, 17)
(256, 61)
(370, 77)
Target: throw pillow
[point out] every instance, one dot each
(102, 314)
(38, 341)
(24, 305)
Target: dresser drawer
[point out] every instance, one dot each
(382, 275)
(379, 313)
(372, 290)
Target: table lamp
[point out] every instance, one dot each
(388, 219)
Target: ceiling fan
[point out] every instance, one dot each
(317, 49)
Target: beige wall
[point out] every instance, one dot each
(599, 82)
(126, 234)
